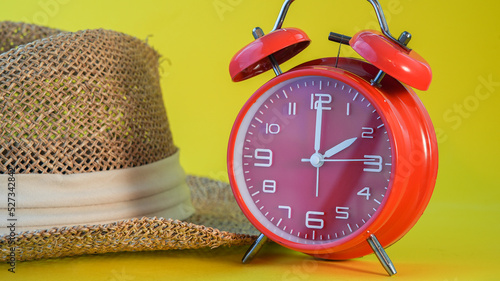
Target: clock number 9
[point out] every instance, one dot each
(263, 154)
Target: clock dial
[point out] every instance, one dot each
(312, 160)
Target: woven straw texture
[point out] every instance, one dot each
(145, 234)
(79, 102)
(91, 101)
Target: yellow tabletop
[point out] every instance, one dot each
(456, 238)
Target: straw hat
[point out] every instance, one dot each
(87, 160)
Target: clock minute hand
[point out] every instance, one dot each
(317, 131)
(339, 147)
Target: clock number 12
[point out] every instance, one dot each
(321, 99)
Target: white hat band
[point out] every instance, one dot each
(55, 200)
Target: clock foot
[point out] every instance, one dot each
(254, 249)
(381, 255)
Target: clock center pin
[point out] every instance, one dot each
(317, 160)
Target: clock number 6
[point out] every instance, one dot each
(312, 222)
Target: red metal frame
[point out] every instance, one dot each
(415, 156)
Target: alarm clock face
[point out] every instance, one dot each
(311, 160)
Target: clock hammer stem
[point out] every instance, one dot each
(254, 248)
(403, 40)
(381, 255)
(257, 33)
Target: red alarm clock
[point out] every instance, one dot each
(333, 158)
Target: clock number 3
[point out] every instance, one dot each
(374, 162)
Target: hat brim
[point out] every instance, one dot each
(218, 221)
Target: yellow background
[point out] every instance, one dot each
(456, 239)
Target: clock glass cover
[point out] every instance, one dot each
(312, 160)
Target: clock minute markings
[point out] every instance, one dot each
(284, 94)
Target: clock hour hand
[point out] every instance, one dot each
(339, 147)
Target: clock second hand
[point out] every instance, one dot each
(317, 138)
(340, 160)
(317, 181)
